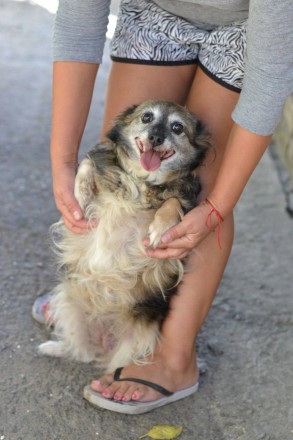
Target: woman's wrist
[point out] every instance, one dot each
(213, 217)
(64, 157)
(211, 210)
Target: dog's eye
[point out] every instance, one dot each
(147, 117)
(177, 128)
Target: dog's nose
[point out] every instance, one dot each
(157, 135)
(156, 140)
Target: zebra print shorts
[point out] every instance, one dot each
(147, 34)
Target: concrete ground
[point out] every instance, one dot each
(246, 342)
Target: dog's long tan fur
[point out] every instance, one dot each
(112, 298)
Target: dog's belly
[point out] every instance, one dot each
(117, 242)
(109, 260)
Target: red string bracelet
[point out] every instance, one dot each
(209, 220)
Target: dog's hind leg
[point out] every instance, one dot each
(72, 329)
(134, 346)
(53, 348)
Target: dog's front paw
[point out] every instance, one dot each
(157, 228)
(85, 188)
(167, 216)
(52, 348)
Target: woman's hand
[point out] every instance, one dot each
(63, 188)
(178, 241)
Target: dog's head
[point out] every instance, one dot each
(162, 140)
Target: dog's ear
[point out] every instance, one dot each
(114, 134)
(201, 141)
(199, 128)
(128, 111)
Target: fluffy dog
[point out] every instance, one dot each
(112, 297)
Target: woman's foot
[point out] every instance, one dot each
(40, 310)
(172, 375)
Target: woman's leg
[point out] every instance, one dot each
(174, 363)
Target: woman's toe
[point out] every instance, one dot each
(145, 394)
(137, 394)
(131, 390)
(111, 390)
(119, 393)
(101, 384)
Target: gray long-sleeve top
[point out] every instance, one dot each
(80, 32)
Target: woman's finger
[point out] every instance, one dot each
(166, 253)
(186, 242)
(80, 227)
(174, 233)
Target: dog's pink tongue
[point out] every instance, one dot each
(150, 160)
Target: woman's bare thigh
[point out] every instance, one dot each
(213, 104)
(131, 84)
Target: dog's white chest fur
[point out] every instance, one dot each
(115, 246)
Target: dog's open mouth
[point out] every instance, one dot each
(151, 159)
